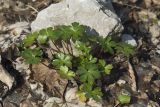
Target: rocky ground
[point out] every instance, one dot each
(33, 86)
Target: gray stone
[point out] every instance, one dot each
(5, 77)
(129, 39)
(97, 14)
(158, 51)
(14, 36)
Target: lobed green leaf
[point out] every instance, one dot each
(32, 56)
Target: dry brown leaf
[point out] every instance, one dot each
(49, 78)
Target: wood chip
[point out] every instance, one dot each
(49, 78)
(132, 76)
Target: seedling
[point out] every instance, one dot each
(124, 99)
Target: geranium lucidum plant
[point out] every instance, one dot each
(85, 66)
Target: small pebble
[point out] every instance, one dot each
(121, 82)
(129, 39)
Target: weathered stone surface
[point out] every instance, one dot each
(12, 34)
(97, 14)
(149, 25)
(155, 33)
(5, 77)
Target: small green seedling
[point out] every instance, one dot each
(65, 72)
(108, 69)
(124, 99)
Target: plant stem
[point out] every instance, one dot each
(51, 51)
(99, 53)
(71, 47)
(64, 44)
(56, 46)
(64, 92)
(49, 48)
(57, 90)
(44, 64)
(68, 48)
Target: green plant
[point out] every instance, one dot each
(90, 92)
(62, 60)
(84, 65)
(88, 73)
(32, 56)
(65, 72)
(124, 99)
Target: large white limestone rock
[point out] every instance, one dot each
(97, 14)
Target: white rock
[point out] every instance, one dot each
(121, 82)
(33, 86)
(71, 95)
(37, 89)
(14, 36)
(5, 77)
(22, 67)
(93, 103)
(158, 51)
(54, 101)
(86, 12)
(129, 39)
(158, 46)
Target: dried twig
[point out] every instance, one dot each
(64, 92)
(32, 8)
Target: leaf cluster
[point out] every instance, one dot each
(85, 66)
(32, 56)
(108, 45)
